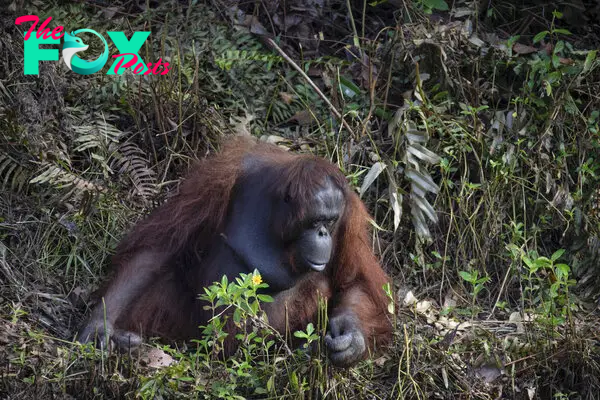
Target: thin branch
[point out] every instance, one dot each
(311, 83)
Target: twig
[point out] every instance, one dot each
(311, 83)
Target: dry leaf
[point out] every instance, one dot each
(375, 170)
(304, 117)
(156, 358)
(381, 360)
(423, 306)
(523, 49)
(287, 98)
(488, 372)
(410, 298)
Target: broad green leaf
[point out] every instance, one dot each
(560, 46)
(540, 36)
(562, 31)
(265, 298)
(589, 59)
(310, 328)
(562, 271)
(237, 315)
(436, 4)
(466, 276)
(543, 261)
(555, 61)
(557, 254)
(300, 334)
(348, 88)
(529, 262)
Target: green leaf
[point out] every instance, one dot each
(436, 4)
(294, 380)
(589, 59)
(554, 77)
(555, 61)
(562, 271)
(467, 276)
(483, 279)
(562, 31)
(511, 41)
(348, 88)
(310, 329)
(528, 261)
(560, 46)
(557, 254)
(557, 14)
(262, 286)
(514, 249)
(237, 315)
(548, 88)
(540, 36)
(477, 289)
(543, 261)
(265, 298)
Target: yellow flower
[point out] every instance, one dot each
(256, 280)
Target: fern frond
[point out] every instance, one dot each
(15, 175)
(55, 175)
(416, 159)
(94, 131)
(130, 160)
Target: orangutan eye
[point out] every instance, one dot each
(327, 222)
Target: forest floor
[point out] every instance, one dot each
(470, 130)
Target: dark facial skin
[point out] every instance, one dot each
(252, 233)
(314, 245)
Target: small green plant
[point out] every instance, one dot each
(547, 285)
(553, 31)
(263, 365)
(240, 296)
(477, 282)
(207, 373)
(310, 335)
(17, 313)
